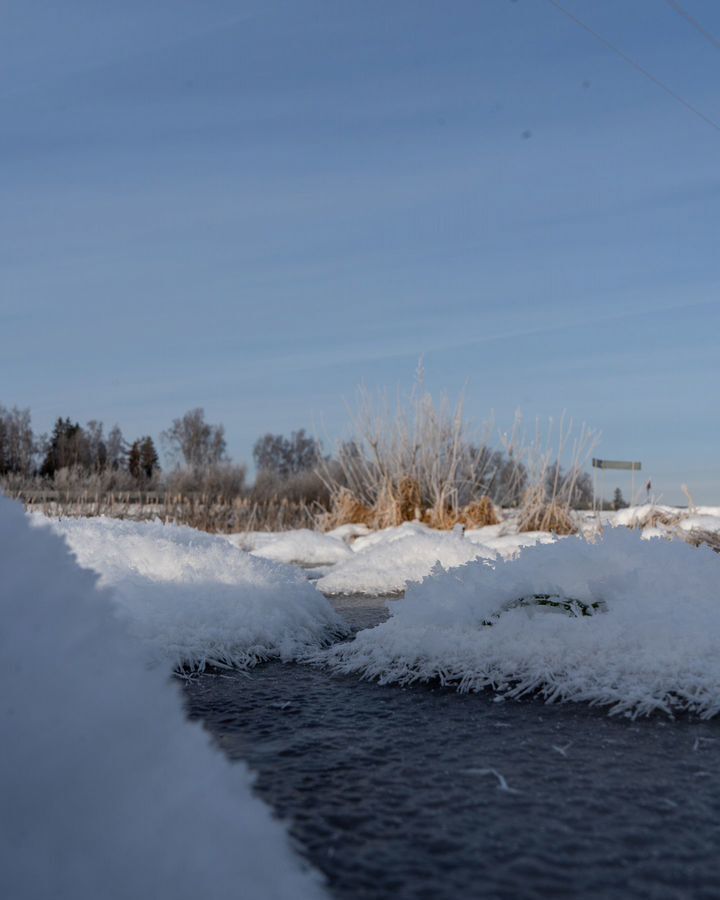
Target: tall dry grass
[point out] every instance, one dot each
(215, 514)
(555, 459)
(406, 461)
(417, 459)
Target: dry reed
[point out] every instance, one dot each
(416, 460)
(479, 513)
(345, 509)
(700, 537)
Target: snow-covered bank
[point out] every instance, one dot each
(107, 791)
(651, 644)
(652, 515)
(194, 599)
(385, 562)
(300, 546)
(353, 559)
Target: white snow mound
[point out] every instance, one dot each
(107, 791)
(301, 546)
(508, 544)
(349, 532)
(194, 599)
(385, 562)
(651, 642)
(700, 522)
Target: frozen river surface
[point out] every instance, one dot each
(426, 793)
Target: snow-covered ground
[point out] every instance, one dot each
(301, 547)
(107, 791)
(354, 560)
(637, 516)
(387, 561)
(648, 639)
(195, 599)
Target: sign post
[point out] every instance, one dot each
(617, 464)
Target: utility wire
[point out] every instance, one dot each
(636, 65)
(673, 4)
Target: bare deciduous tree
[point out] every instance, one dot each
(116, 448)
(17, 443)
(287, 456)
(194, 441)
(96, 445)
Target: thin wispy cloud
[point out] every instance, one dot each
(258, 209)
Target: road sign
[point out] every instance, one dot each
(616, 464)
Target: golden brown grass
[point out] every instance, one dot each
(479, 513)
(442, 517)
(394, 505)
(346, 509)
(404, 504)
(540, 513)
(553, 517)
(408, 500)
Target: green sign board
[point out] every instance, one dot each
(616, 464)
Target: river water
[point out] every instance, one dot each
(425, 793)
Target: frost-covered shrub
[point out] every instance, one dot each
(655, 647)
(194, 599)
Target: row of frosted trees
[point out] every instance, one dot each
(417, 459)
(70, 447)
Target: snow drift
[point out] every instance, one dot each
(300, 546)
(107, 792)
(648, 639)
(385, 561)
(194, 599)
(353, 560)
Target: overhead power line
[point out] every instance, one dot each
(673, 4)
(636, 65)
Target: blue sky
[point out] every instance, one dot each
(253, 207)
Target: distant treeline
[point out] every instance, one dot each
(419, 461)
(295, 467)
(77, 460)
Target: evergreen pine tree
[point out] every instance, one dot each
(133, 461)
(149, 462)
(67, 448)
(143, 460)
